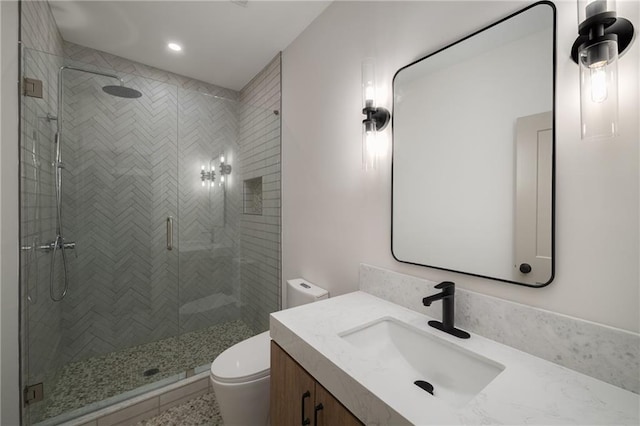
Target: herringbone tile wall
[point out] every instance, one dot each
(39, 29)
(207, 223)
(134, 163)
(121, 162)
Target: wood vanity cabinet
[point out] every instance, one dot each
(297, 399)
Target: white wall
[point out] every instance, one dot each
(9, 317)
(336, 216)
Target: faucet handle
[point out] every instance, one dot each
(447, 286)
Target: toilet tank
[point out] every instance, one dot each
(301, 291)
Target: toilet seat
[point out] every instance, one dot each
(243, 362)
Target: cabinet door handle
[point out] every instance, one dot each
(306, 421)
(315, 413)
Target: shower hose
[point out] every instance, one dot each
(58, 244)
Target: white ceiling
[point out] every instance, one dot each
(223, 43)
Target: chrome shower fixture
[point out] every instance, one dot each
(120, 91)
(210, 173)
(59, 244)
(225, 169)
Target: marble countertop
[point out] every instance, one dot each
(529, 390)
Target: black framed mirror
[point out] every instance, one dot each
(473, 153)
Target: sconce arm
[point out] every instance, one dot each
(378, 115)
(621, 27)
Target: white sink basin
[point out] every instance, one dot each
(456, 374)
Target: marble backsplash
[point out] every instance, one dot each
(606, 353)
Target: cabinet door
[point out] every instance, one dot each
(292, 390)
(328, 411)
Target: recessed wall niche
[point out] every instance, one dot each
(252, 199)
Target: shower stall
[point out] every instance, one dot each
(149, 232)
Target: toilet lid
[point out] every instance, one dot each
(243, 362)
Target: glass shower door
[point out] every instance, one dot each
(229, 191)
(210, 305)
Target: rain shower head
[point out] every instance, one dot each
(122, 92)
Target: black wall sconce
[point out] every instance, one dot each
(603, 37)
(376, 119)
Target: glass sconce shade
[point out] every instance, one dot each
(602, 38)
(376, 119)
(599, 89)
(368, 84)
(371, 146)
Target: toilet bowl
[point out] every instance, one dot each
(240, 375)
(240, 380)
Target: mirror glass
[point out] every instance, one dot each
(473, 153)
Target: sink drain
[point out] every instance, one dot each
(151, 372)
(426, 386)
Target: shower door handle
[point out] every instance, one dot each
(170, 233)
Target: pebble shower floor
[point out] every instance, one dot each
(95, 379)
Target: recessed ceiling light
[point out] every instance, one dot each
(174, 46)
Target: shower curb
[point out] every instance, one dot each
(140, 407)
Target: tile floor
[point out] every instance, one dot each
(95, 379)
(200, 411)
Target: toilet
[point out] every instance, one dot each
(240, 375)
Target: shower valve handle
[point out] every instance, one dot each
(52, 245)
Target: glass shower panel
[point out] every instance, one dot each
(42, 322)
(119, 187)
(229, 260)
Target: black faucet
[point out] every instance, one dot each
(448, 290)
